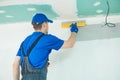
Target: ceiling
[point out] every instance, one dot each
(12, 11)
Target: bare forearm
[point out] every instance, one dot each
(16, 69)
(72, 38)
(70, 42)
(16, 73)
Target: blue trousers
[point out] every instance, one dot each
(41, 75)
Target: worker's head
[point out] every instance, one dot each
(40, 22)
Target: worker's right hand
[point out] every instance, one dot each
(74, 28)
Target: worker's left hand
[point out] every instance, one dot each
(74, 28)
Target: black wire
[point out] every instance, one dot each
(106, 18)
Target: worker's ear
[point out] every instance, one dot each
(45, 24)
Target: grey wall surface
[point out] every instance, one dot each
(98, 31)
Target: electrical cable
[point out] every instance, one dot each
(106, 18)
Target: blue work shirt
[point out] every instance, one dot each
(40, 53)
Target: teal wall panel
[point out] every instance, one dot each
(21, 13)
(88, 8)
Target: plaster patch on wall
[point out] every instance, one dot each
(31, 9)
(2, 11)
(9, 16)
(99, 11)
(97, 3)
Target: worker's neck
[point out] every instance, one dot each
(41, 31)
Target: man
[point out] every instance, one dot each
(39, 55)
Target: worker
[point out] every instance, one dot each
(39, 55)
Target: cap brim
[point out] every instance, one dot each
(50, 21)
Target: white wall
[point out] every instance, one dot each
(87, 60)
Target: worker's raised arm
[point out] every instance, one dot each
(70, 42)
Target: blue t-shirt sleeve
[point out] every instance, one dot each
(19, 51)
(55, 42)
